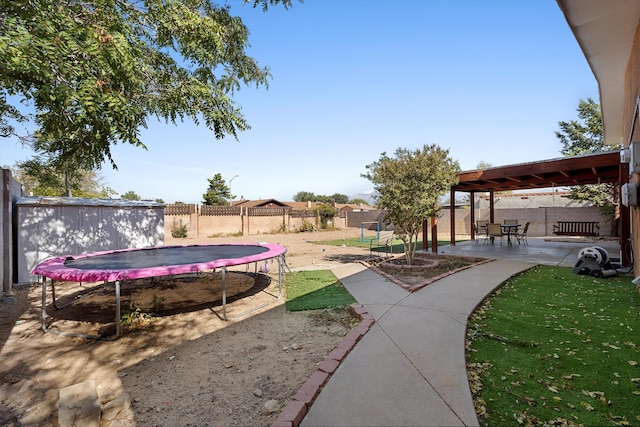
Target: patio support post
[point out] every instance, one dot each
(452, 208)
(424, 235)
(626, 255)
(472, 212)
(434, 235)
(491, 201)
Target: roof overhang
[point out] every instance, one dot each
(597, 168)
(605, 31)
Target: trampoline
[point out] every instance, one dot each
(128, 264)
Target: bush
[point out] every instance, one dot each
(306, 227)
(179, 230)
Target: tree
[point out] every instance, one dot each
(327, 213)
(409, 187)
(304, 196)
(130, 195)
(585, 136)
(218, 192)
(359, 202)
(44, 178)
(339, 198)
(92, 72)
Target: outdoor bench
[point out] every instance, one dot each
(383, 239)
(577, 228)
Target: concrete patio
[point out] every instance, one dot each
(539, 250)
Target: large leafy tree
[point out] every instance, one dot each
(358, 201)
(43, 178)
(92, 72)
(585, 136)
(306, 196)
(130, 195)
(218, 192)
(409, 186)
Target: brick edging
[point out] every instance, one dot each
(295, 411)
(417, 287)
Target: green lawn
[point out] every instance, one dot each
(313, 290)
(551, 347)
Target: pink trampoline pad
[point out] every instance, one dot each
(152, 262)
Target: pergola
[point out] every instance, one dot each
(597, 168)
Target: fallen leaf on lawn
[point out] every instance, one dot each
(635, 380)
(570, 377)
(605, 401)
(552, 389)
(587, 406)
(557, 398)
(593, 394)
(633, 363)
(623, 420)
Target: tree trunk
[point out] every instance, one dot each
(67, 188)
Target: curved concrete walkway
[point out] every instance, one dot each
(409, 369)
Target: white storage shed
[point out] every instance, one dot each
(56, 226)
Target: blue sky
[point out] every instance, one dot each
(489, 80)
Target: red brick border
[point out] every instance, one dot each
(413, 288)
(295, 411)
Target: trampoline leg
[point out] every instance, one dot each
(117, 284)
(224, 293)
(280, 275)
(44, 304)
(53, 294)
(281, 272)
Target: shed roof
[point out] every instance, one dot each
(78, 201)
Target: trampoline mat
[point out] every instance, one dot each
(160, 257)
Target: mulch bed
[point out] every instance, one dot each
(428, 268)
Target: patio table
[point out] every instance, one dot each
(507, 229)
(510, 230)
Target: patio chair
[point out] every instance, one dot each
(494, 231)
(481, 227)
(522, 236)
(384, 239)
(478, 231)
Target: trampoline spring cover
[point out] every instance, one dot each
(155, 261)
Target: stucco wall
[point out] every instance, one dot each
(199, 226)
(632, 91)
(542, 219)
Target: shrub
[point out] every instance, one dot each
(306, 227)
(179, 230)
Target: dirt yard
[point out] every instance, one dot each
(184, 367)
